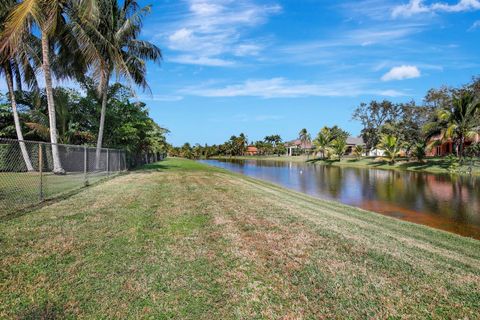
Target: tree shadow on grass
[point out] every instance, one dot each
(437, 163)
(46, 311)
(158, 166)
(376, 164)
(175, 165)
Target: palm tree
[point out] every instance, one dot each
(419, 151)
(47, 16)
(67, 120)
(339, 146)
(462, 120)
(304, 137)
(242, 142)
(391, 147)
(52, 18)
(358, 151)
(9, 66)
(114, 47)
(323, 140)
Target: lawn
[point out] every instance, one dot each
(181, 240)
(431, 165)
(21, 190)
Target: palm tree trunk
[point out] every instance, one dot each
(57, 165)
(104, 91)
(16, 119)
(462, 144)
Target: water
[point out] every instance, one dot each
(446, 202)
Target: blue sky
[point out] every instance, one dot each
(276, 66)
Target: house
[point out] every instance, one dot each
(443, 148)
(352, 142)
(376, 153)
(251, 151)
(296, 147)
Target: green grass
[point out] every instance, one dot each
(181, 240)
(21, 190)
(431, 165)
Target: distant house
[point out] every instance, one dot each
(376, 152)
(251, 151)
(296, 147)
(352, 142)
(446, 147)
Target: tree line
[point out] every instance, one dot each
(129, 125)
(447, 114)
(87, 41)
(235, 146)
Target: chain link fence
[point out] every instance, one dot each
(27, 171)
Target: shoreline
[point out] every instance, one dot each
(430, 165)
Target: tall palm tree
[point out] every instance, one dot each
(462, 120)
(242, 143)
(117, 49)
(12, 67)
(51, 18)
(304, 137)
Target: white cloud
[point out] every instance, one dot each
(379, 10)
(462, 5)
(401, 73)
(346, 49)
(417, 6)
(159, 97)
(247, 50)
(202, 61)
(409, 9)
(216, 28)
(204, 8)
(475, 25)
(284, 88)
(357, 37)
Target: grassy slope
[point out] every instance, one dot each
(432, 165)
(182, 240)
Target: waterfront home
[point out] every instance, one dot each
(251, 151)
(352, 142)
(296, 147)
(443, 147)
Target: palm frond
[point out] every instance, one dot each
(39, 129)
(16, 24)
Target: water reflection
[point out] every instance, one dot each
(445, 202)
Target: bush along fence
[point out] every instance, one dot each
(32, 172)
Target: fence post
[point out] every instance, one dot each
(108, 162)
(85, 165)
(40, 171)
